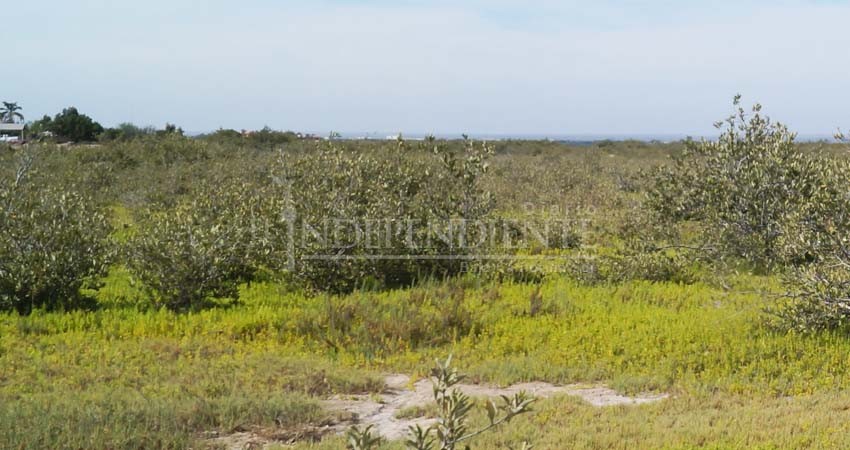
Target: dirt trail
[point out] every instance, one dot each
(381, 410)
(399, 395)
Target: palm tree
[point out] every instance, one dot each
(9, 113)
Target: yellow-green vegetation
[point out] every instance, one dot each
(120, 377)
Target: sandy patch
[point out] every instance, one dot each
(380, 410)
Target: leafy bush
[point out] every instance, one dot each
(205, 247)
(819, 299)
(755, 194)
(377, 214)
(819, 296)
(52, 243)
(742, 188)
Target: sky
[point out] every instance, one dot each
(612, 67)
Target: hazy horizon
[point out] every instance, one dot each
(504, 67)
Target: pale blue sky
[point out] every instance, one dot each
(478, 66)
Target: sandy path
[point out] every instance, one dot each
(381, 410)
(399, 395)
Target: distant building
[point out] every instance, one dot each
(308, 136)
(10, 132)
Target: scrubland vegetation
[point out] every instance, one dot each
(158, 290)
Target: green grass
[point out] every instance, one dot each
(124, 376)
(117, 417)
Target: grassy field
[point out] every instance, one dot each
(121, 377)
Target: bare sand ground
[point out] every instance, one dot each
(401, 393)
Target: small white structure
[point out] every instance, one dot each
(8, 131)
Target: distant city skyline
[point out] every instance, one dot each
(499, 67)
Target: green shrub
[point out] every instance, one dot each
(742, 188)
(205, 247)
(819, 291)
(407, 195)
(819, 299)
(52, 243)
(756, 195)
